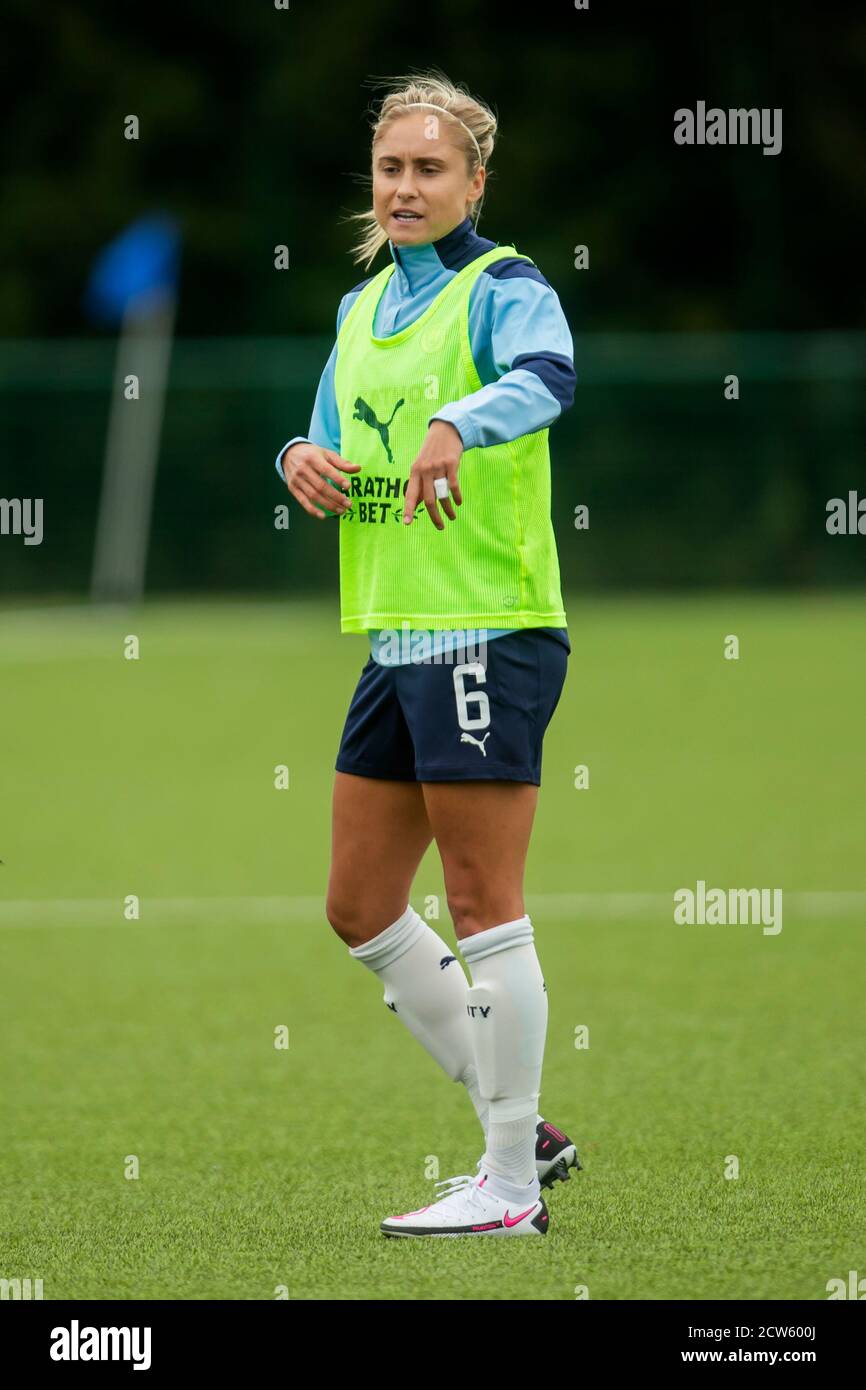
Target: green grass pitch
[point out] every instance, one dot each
(264, 1168)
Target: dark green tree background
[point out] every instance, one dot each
(253, 133)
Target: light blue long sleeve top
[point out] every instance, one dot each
(521, 345)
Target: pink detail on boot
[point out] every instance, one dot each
(557, 1133)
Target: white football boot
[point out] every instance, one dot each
(468, 1209)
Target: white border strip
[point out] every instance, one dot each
(156, 912)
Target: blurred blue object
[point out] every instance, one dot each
(143, 260)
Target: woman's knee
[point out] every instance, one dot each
(342, 914)
(474, 908)
(467, 910)
(357, 921)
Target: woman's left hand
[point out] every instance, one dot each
(439, 458)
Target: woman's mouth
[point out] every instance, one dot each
(406, 217)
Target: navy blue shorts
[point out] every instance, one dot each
(481, 715)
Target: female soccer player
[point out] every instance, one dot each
(448, 367)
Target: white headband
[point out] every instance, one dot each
(453, 117)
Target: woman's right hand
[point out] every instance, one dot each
(305, 469)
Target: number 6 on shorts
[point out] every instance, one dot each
(482, 717)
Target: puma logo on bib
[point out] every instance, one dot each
(367, 414)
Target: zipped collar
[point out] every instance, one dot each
(417, 266)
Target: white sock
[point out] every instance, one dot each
(427, 989)
(470, 1080)
(508, 1017)
(482, 1109)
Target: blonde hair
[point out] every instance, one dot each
(473, 129)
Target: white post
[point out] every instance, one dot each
(132, 449)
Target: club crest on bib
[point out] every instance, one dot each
(432, 338)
